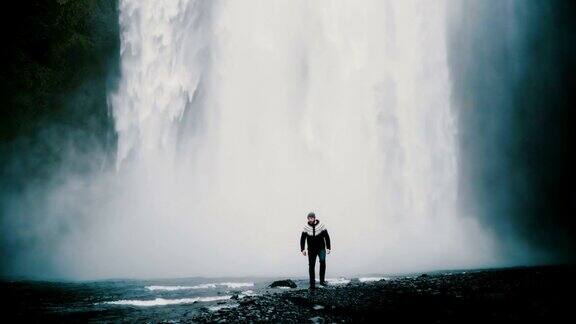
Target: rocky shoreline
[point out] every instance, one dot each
(509, 295)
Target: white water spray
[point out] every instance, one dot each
(237, 118)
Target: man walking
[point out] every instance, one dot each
(316, 234)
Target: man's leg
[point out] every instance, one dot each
(311, 266)
(322, 257)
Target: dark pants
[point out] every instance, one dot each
(321, 253)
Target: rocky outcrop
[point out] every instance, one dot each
(283, 283)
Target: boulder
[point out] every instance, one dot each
(283, 283)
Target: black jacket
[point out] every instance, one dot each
(316, 235)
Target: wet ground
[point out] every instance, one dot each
(517, 295)
(521, 295)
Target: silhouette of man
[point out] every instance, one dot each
(316, 235)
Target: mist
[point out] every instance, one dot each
(512, 65)
(234, 120)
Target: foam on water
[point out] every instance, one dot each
(202, 286)
(336, 281)
(247, 293)
(219, 307)
(237, 284)
(173, 288)
(164, 302)
(369, 279)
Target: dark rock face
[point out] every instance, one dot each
(283, 283)
(521, 295)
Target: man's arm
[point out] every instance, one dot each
(327, 239)
(302, 241)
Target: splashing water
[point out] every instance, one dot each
(235, 119)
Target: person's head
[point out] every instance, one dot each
(311, 218)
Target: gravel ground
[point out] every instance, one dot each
(536, 294)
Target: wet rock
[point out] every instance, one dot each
(248, 301)
(283, 283)
(297, 300)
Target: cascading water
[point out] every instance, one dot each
(237, 118)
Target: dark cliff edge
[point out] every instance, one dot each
(59, 60)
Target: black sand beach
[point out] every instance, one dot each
(520, 295)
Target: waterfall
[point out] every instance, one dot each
(237, 118)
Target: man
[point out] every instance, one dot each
(316, 234)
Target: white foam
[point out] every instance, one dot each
(164, 302)
(219, 307)
(237, 284)
(336, 281)
(213, 298)
(369, 279)
(173, 288)
(202, 286)
(246, 293)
